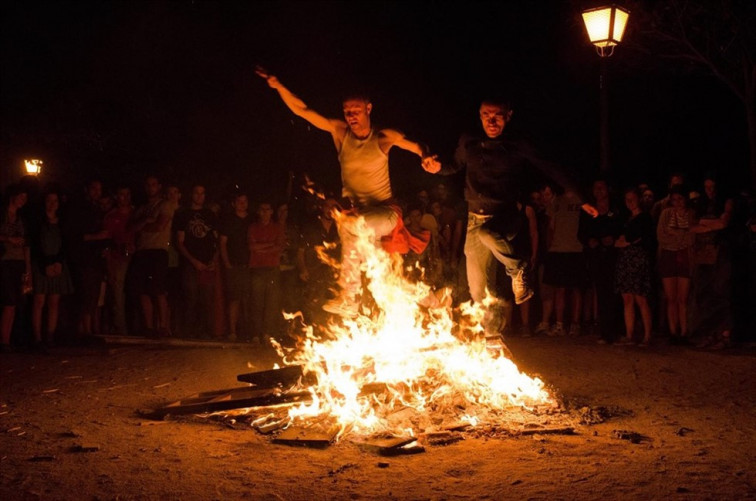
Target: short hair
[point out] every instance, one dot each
(497, 100)
(356, 95)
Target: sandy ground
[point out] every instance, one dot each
(695, 409)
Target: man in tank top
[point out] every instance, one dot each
(363, 156)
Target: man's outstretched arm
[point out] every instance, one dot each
(299, 108)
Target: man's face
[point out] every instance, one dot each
(198, 195)
(123, 197)
(241, 203)
(600, 190)
(676, 181)
(357, 114)
(152, 187)
(94, 190)
(52, 202)
(265, 212)
(173, 194)
(494, 118)
(710, 187)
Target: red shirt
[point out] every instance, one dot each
(123, 240)
(271, 234)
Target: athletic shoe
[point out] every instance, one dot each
(557, 330)
(624, 341)
(542, 329)
(525, 331)
(575, 329)
(521, 287)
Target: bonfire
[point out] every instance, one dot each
(408, 362)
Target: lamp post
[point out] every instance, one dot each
(33, 167)
(605, 27)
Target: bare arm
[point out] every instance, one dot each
(180, 237)
(299, 108)
(224, 251)
(389, 138)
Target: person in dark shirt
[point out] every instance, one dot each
(197, 242)
(633, 270)
(234, 253)
(598, 236)
(86, 239)
(496, 164)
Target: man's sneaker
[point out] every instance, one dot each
(542, 329)
(343, 307)
(558, 330)
(574, 329)
(525, 331)
(521, 287)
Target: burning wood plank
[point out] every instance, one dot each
(234, 398)
(307, 437)
(283, 377)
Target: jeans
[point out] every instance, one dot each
(266, 301)
(485, 244)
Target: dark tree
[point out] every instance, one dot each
(716, 36)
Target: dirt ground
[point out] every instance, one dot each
(695, 411)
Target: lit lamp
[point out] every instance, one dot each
(605, 27)
(33, 167)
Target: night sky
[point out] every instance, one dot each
(119, 89)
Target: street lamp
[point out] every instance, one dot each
(605, 27)
(33, 167)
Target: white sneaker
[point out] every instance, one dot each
(521, 287)
(542, 329)
(558, 330)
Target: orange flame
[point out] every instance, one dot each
(410, 342)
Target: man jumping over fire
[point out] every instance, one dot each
(363, 156)
(496, 164)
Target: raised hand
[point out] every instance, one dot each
(431, 164)
(273, 82)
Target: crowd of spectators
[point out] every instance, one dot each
(76, 266)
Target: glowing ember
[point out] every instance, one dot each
(432, 364)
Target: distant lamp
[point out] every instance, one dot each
(605, 26)
(33, 166)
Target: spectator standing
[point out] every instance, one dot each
(15, 262)
(633, 271)
(173, 275)
(149, 268)
(234, 253)
(87, 240)
(119, 256)
(266, 242)
(197, 242)
(564, 267)
(712, 311)
(598, 236)
(51, 275)
(319, 237)
(675, 234)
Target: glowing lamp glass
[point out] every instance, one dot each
(605, 25)
(33, 167)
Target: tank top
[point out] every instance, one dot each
(364, 169)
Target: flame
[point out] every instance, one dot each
(431, 359)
